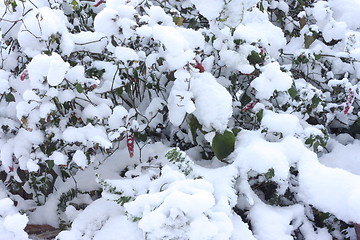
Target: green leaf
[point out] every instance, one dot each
(50, 163)
(79, 88)
(308, 40)
(302, 22)
(315, 101)
(261, 7)
(316, 145)
(9, 97)
(119, 91)
(223, 144)
(309, 141)
(74, 4)
(292, 92)
(245, 99)
(254, 58)
(5, 128)
(259, 115)
(124, 199)
(317, 56)
(301, 3)
(238, 41)
(194, 125)
(13, 5)
(236, 131)
(141, 136)
(269, 174)
(223, 19)
(94, 72)
(178, 20)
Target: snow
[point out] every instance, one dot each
(178, 49)
(125, 54)
(180, 99)
(151, 112)
(58, 158)
(88, 134)
(52, 67)
(96, 112)
(32, 166)
(181, 202)
(4, 83)
(80, 159)
(271, 79)
(207, 94)
(193, 79)
(30, 95)
(241, 230)
(346, 11)
(88, 222)
(210, 10)
(40, 25)
(343, 156)
(269, 36)
(124, 230)
(236, 60)
(124, 10)
(272, 223)
(94, 42)
(76, 74)
(106, 21)
(157, 14)
(117, 118)
(255, 153)
(12, 223)
(16, 222)
(336, 197)
(66, 95)
(286, 124)
(199, 94)
(57, 71)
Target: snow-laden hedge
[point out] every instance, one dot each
(193, 119)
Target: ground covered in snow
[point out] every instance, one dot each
(193, 120)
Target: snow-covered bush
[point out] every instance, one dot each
(12, 223)
(195, 119)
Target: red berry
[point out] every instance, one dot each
(349, 101)
(98, 3)
(199, 66)
(24, 75)
(130, 143)
(249, 106)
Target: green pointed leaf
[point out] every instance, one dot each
(223, 144)
(9, 97)
(302, 22)
(308, 40)
(50, 163)
(317, 56)
(292, 92)
(79, 88)
(141, 136)
(316, 145)
(178, 20)
(236, 131)
(259, 115)
(270, 174)
(22, 175)
(194, 125)
(309, 141)
(315, 101)
(254, 58)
